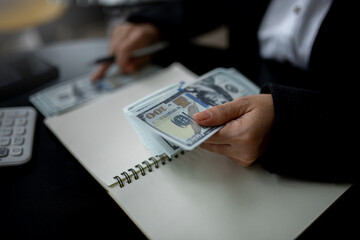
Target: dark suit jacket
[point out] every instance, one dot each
(315, 131)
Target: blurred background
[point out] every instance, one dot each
(29, 24)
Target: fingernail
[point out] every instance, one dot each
(202, 116)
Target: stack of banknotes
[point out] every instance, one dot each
(164, 120)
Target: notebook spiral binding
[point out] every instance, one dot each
(143, 168)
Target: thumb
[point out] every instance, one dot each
(221, 114)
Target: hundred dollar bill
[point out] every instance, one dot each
(69, 94)
(152, 141)
(172, 119)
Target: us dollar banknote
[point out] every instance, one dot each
(172, 117)
(152, 141)
(69, 94)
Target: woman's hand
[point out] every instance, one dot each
(125, 39)
(248, 123)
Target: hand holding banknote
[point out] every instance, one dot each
(248, 122)
(166, 117)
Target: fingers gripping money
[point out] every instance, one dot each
(171, 115)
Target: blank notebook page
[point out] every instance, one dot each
(202, 195)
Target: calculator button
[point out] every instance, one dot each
(4, 141)
(18, 141)
(16, 151)
(20, 122)
(5, 131)
(8, 122)
(3, 152)
(20, 131)
(16, 114)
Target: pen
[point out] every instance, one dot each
(137, 53)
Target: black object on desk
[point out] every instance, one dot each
(21, 73)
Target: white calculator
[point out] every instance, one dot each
(17, 127)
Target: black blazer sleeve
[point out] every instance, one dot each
(316, 128)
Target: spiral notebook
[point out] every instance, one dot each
(191, 195)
